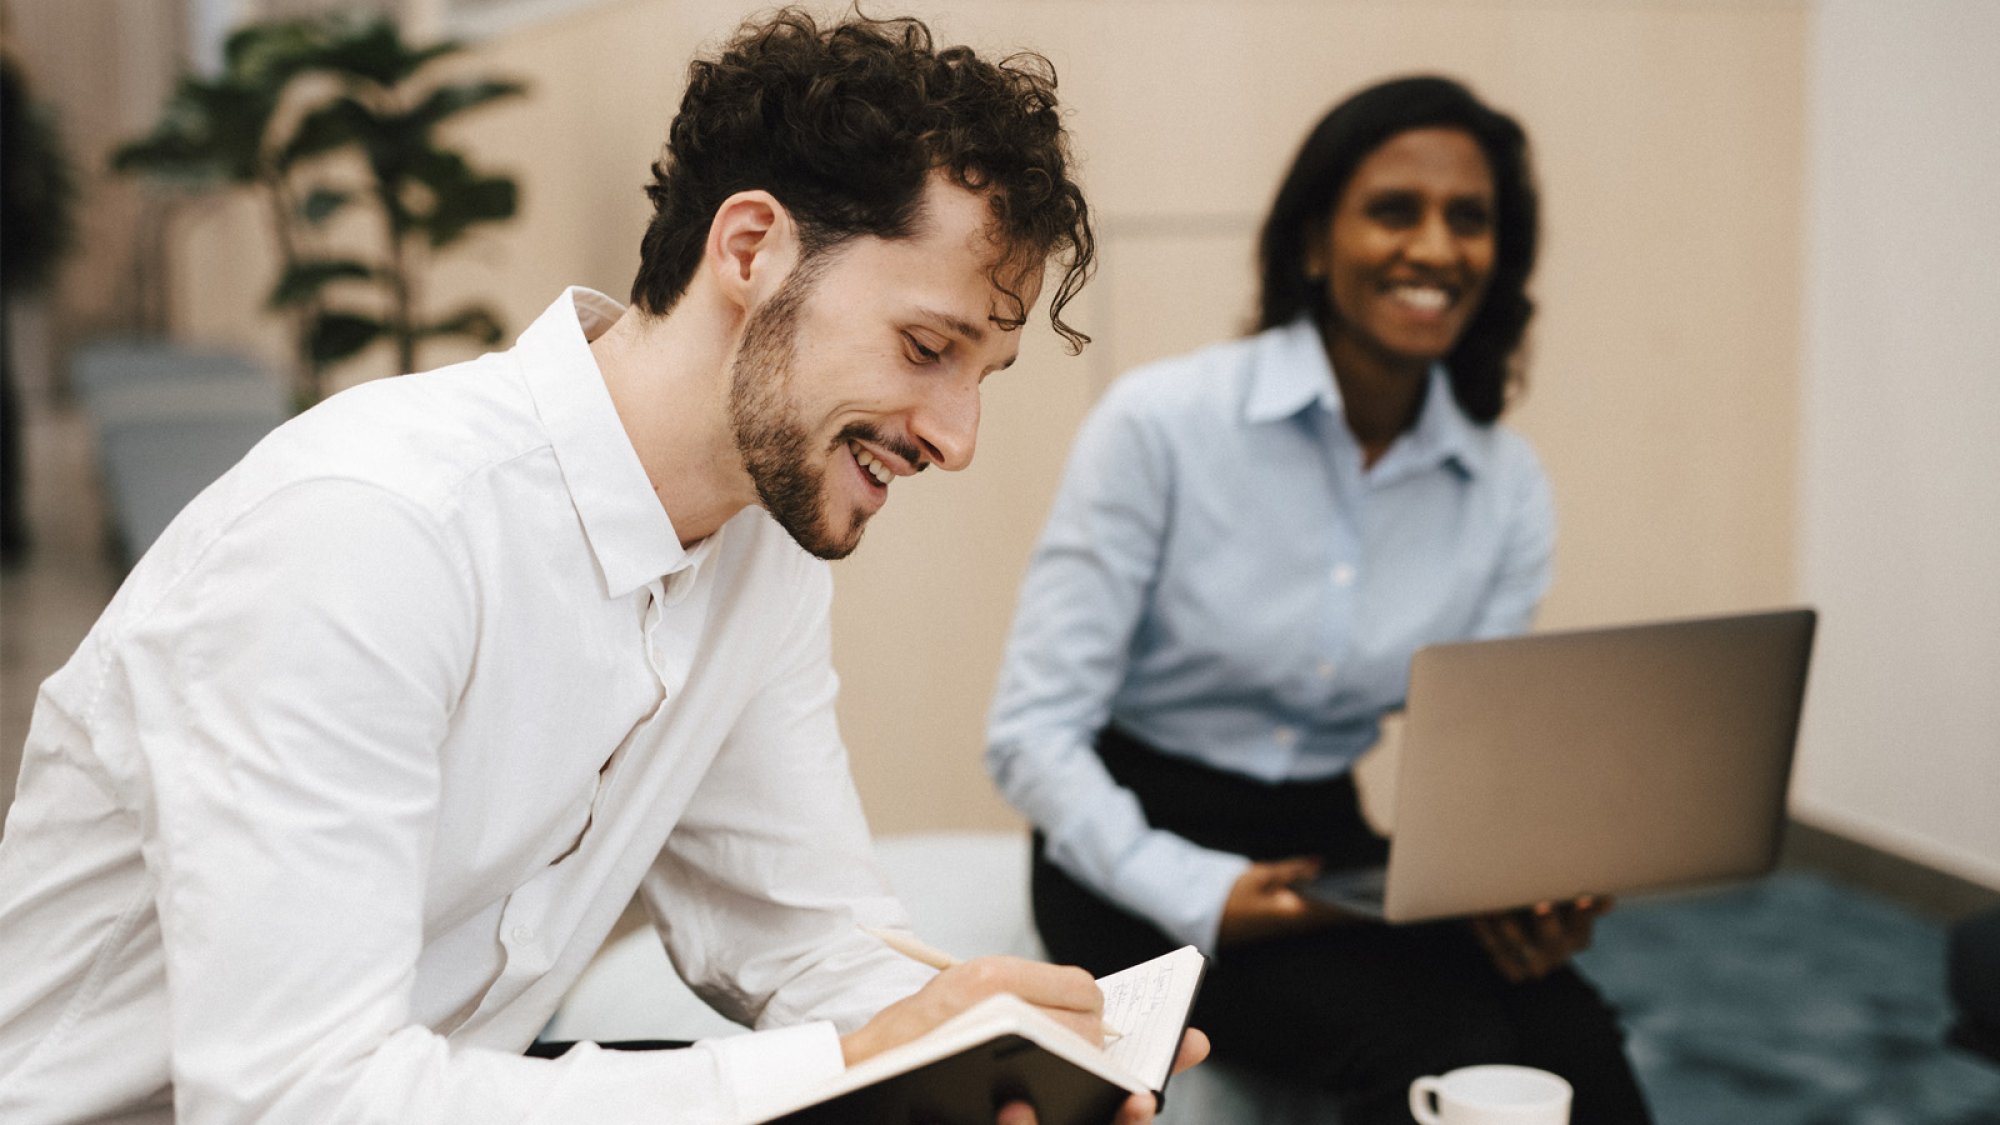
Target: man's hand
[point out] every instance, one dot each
(1530, 944)
(1067, 994)
(1139, 1108)
(1265, 904)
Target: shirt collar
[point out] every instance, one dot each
(1292, 373)
(1443, 434)
(628, 530)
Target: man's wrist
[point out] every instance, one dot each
(859, 1045)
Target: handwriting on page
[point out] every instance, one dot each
(1149, 1003)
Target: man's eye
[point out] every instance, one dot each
(918, 352)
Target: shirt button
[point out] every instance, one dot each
(1325, 669)
(1343, 575)
(1285, 736)
(523, 933)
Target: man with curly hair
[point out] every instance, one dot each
(353, 777)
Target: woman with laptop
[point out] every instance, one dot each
(1249, 544)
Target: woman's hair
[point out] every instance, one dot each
(844, 124)
(1484, 363)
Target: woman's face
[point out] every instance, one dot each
(1410, 247)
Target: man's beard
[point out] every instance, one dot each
(774, 444)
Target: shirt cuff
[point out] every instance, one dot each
(725, 1081)
(1180, 885)
(768, 1070)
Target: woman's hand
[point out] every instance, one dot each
(1139, 1108)
(1265, 903)
(1530, 944)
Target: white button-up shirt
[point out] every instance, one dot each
(359, 767)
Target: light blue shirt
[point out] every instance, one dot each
(1223, 579)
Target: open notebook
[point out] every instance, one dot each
(1004, 1048)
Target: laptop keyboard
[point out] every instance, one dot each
(1354, 887)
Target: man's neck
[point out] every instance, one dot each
(669, 381)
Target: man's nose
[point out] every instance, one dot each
(947, 425)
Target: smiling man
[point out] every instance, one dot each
(852, 367)
(356, 772)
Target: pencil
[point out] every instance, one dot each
(915, 950)
(909, 946)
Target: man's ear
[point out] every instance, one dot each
(752, 246)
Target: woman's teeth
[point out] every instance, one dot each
(875, 468)
(1424, 297)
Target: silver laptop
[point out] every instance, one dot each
(1602, 761)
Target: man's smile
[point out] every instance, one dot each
(870, 465)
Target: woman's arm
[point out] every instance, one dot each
(1084, 597)
(1525, 569)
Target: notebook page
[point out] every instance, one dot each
(1150, 1002)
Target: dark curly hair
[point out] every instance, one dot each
(844, 124)
(1485, 362)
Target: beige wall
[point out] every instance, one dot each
(102, 67)
(1664, 381)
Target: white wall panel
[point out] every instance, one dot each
(1900, 422)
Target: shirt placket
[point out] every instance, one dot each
(535, 924)
(1348, 489)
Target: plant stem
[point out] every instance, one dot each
(306, 389)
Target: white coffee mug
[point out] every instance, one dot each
(1491, 1095)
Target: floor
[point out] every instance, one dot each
(1794, 1000)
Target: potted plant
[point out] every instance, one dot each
(294, 95)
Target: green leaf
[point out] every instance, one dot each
(325, 128)
(169, 158)
(305, 279)
(207, 130)
(487, 200)
(475, 321)
(458, 197)
(268, 55)
(455, 98)
(338, 335)
(373, 51)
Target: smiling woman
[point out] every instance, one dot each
(1249, 544)
(1405, 259)
(1380, 124)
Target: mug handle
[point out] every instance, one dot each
(1421, 1092)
